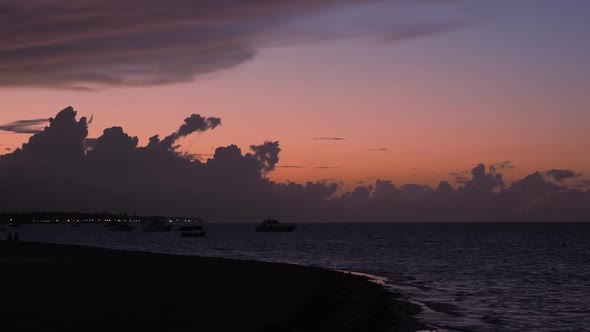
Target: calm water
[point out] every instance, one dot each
(470, 277)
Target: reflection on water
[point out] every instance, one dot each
(481, 277)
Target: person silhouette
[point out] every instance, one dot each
(9, 237)
(16, 236)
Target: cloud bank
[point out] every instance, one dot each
(95, 44)
(56, 170)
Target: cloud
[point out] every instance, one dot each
(201, 155)
(57, 171)
(377, 150)
(25, 126)
(581, 184)
(90, 143)
(326, 167)
(290, 166)
(485, 182)
(96, 44)
(194, 123)
(460, 177)
(504, 165)
(329, 138)
(267, 155)
(560, 175)
(444, 188)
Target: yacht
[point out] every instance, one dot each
(273, 225)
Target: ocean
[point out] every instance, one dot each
(466, 276)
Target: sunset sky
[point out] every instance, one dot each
(410, 91)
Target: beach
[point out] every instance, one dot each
(76, 288)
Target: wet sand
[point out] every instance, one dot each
(73, 288)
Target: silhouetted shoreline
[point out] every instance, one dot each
(67, 288)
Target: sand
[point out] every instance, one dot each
(50, 287)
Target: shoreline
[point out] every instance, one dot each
(70, 287)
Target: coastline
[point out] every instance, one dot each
(67, 288)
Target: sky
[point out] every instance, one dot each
(407, 91)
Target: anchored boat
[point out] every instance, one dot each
(273, 225)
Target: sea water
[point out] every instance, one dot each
(467, 276)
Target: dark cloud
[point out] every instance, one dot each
(460, 177)
(504, 165)
(485, 181)
(267, 155)
(444, 188)
(581, 184)
(90, 143)
(561, 174)
(94, 44)
(193, 123)
(329, 138)
(377, 150)
(290, 166)
(326, 167)
(57, 171)
(532, 184)
(25, 126)
(200, 155)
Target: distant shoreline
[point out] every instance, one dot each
(67, 288)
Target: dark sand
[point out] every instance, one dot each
(48, 287)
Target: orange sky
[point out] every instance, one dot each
(436, 107)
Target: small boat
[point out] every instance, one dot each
(273, 225)
(13, 225)
(158, 225)
(121, 228)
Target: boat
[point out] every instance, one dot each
(273, 225)
(13, 225)
(158, 225)
(121, 228)
(192, 231)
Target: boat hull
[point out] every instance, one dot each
(278, 229)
